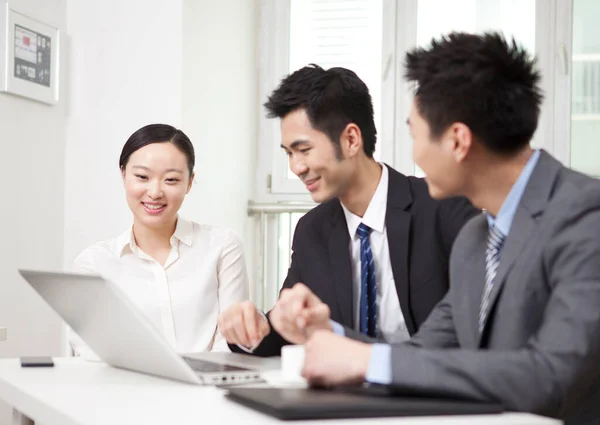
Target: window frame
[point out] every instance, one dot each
(562, 40)
(272, 182)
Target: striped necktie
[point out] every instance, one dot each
(368, 289)
(492, 259)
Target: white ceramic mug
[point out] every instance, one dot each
(292, 361)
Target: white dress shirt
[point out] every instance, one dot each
(204, 274)
(390, 320)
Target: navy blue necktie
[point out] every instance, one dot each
(368, 290)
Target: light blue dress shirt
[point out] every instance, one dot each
(504, 219)
(380, 364)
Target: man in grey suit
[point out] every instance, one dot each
(520, 324)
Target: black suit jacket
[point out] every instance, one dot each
(420, 232)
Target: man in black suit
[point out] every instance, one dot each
(376, 250)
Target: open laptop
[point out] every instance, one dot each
(352, 402)
(113, 327)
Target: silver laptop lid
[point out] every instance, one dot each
(103, 316)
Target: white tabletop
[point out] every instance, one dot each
(76, 392)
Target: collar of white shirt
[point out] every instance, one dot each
(184, 232)
(375, 214)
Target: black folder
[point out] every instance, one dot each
(296, 403)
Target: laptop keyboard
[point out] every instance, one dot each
(206, 366)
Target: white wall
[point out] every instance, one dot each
(126, 59)
(32, 160)
(220, 110)
(143, 61)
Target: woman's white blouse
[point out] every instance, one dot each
(204, 274)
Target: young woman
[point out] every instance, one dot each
(179, 273)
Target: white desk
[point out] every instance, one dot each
(76, 392)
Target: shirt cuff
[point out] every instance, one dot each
(380, 365)
(250, 350)
(337, 328)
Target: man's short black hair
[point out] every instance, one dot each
(483, 81)
(332, 99)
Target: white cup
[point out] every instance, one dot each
(292, 361)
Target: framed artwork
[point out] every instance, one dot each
(29, 55)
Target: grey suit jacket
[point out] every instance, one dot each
(540, 348)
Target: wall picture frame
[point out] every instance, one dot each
(29, 56)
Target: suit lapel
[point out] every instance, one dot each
(398, 231)
(531, 206)
(473, 261)
(339, 257)
(397, 220)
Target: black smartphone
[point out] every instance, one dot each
(37, 362)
